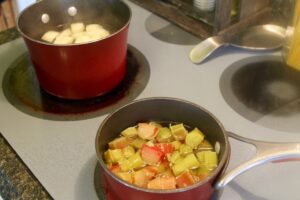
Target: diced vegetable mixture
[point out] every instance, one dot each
(153, 156)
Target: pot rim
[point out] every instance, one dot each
(70, 45)
(222, 165)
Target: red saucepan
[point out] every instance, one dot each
(176, 110)
(77, 71)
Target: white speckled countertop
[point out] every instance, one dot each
(61, 154)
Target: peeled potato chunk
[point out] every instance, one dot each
(77, 27)
(82, 39)
(66, 32)
(61, 39)
(95, 37)
(76, 33)
(49, 36)
(102, 33)
(92, 27)
(80, 34)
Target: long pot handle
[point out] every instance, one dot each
(265, 152)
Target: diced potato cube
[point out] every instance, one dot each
(139, 178)
(164, 135)
(191, 162)
(80, 34)
(136, 161)
(179, 167)
(202, 171)
(204, 146)
(194, 138)
(82, 39)
(113, 156)
(125, 176)
(179, 132)
(130, 132)
(95, 37)
(138, 143)
(128, 151)
(125, 165)
(179, 160)
(63, 40)
(174, 156)
(66, 32)
(185, 149)
(101, 33)
(188, 162)
(92, 27)
(49, 36)
(208, 159)
(77, 27)
(176, 144)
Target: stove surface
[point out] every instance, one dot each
(61, 154)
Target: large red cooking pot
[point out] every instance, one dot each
(77, 71)
(176, 110)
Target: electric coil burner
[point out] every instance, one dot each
(22, 90)
(264, 90)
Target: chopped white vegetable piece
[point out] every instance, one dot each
(96, 37)
(82, 39)
(77, 33)
(49, 36)
(66, 32)
(80, 34)
(217, 147)
(77, 27)
(91, 27)
(101, 33)
(61, 39)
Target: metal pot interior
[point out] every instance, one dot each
(111, 14)
(163, 110)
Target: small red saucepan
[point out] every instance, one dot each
(77, 71)
(176, 110)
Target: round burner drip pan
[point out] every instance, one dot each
(21, 88)
(265, 91)
(165, 31)
(100, 185)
